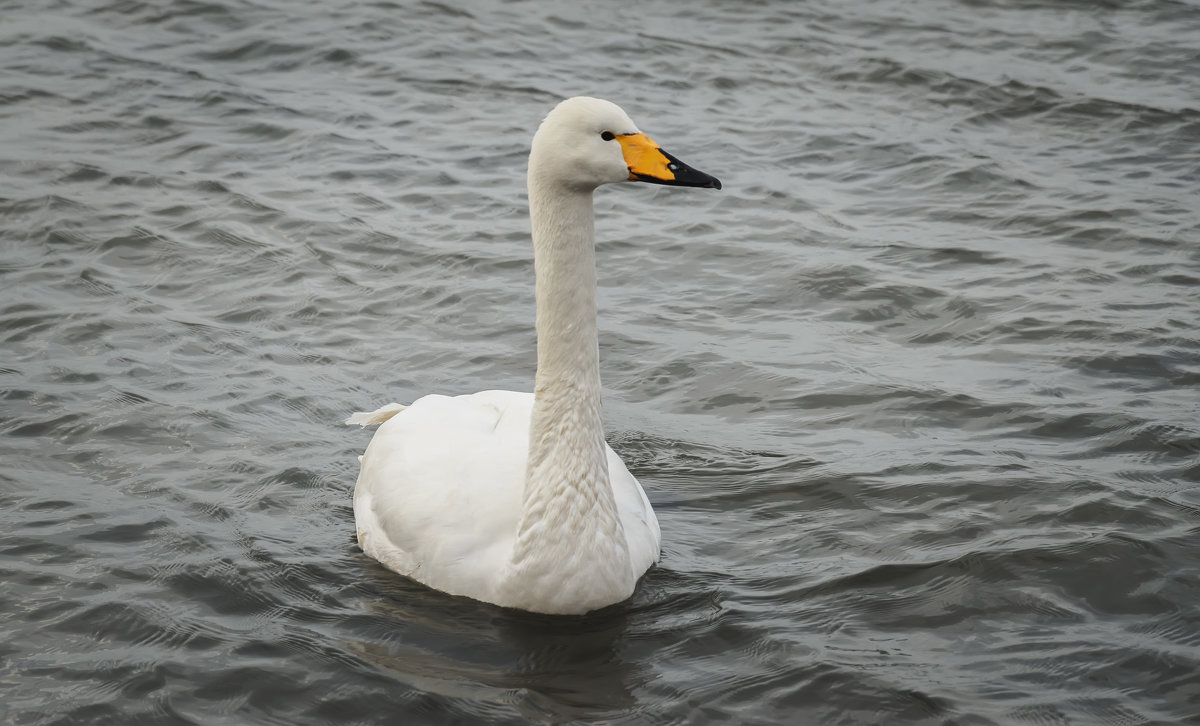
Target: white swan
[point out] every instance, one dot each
(515, 498)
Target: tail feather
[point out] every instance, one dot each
(370, 418)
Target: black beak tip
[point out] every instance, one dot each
(686, 176)
(696, 178)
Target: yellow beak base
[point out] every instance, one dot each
(649, 163)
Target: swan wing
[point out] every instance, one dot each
(642, 534)
(439, 493)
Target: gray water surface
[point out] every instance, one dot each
(915, 396)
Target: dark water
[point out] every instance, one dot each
(915, 396)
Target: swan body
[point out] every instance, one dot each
(515, 498)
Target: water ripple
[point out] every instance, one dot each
(910, 395)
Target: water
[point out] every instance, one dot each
(915, 395)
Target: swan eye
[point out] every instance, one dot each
(607, 136)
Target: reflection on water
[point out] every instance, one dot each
(558, 669)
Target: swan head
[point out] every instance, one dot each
(585, 142)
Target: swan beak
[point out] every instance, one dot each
(649, 163)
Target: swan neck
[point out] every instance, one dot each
(567, 430)
(565, 268)
(569, 526)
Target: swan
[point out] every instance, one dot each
(510, 498)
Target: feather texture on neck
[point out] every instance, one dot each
(570, 528)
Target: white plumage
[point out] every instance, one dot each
(512, 498)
